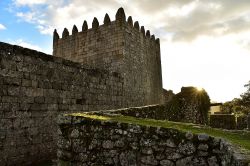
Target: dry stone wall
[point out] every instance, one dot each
(225, 121)
(241, 122)
(164, 112)
(34, 88)
(159, 112)
(85, 141)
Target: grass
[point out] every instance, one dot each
(240, 138)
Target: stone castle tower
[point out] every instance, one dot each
(119, 46)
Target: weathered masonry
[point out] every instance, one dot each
(119, 67)
(34, 88)
(93, 141)
(121, 46)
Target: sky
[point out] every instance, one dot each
(204, 43)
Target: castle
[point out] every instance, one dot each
(118, 46)
(115, 65)
(110, 66)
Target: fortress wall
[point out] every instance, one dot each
(142, 67)
(34, 88)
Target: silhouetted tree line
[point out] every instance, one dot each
(239, 105)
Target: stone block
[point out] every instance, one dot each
(11, 81)
(13, 90)
(26, 82)
(9, 99)
(39, 99)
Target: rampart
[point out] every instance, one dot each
(121, 46)
(86, 140)
(34, 88)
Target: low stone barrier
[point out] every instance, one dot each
(85, 141)
(241, 122)
(225, 121)
(159, 112)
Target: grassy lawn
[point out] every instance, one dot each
(240, 138)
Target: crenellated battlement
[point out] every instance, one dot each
(120, 20)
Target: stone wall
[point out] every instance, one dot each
(164, 112)
(167, 95)
(34, 88)
(159, 112)
(142, 65)
(225, 121)
(241, 122)
(121, 46)
(85, 141)
(228, 121)
(102, 47)
(193, 105)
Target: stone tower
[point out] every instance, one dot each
(119, 46)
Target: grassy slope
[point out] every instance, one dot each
(240, 138)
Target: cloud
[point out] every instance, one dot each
(210, 18)
(28, 16)
(29, 2)
(148, 7)
(2, 27)
(25, 44)
(50, 14)
(185, 19)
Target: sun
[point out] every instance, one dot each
(199, 88)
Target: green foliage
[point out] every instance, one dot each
(238, 106)
(245, 97)
(190, 96)
(234, 107)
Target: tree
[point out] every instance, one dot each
(233, 106)
(238, 105)
(245, 97)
